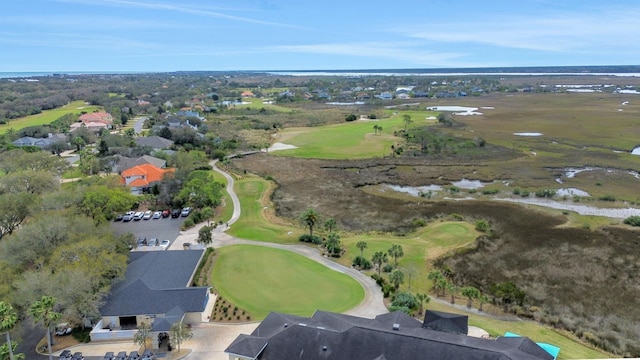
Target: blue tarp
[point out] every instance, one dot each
(551, 349)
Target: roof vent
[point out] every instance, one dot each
(286, 324)
(396, 326)
(324, 348)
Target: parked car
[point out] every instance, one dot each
(128, 216)
(77, 356)
(147, 215)
(63, 329)
(164, 244)
(133, 356)
(152, 242)
(175, 213)
(147, 355)
(138, 216)
(185, 211)
(142, 241)
(166, 213)
(119, 217)
(65, 355)
(157, 215)
(109, 356)
(122, 355)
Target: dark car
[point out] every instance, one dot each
(147, 355)
(119, 217)
(175, 213)
(142, 241)
(109, 356)
(133, 356)
(122, 355)
(65, 355)
(77, 356)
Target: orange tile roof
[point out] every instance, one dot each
(147, 172)
(96, 117)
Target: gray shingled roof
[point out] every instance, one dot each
(335, 336)
(154, 142)
(156, 282)
(125, 163)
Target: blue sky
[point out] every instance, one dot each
(184, 35)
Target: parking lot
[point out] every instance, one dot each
(163, 228)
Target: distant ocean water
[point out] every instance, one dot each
(612, 70)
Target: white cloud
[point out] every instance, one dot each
(180, 7)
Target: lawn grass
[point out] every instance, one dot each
(48, 116)
(253, 193)
(226, 210)
(72, 173)
(419, 249)
(571, 348)
(260, 280)
(258, 103)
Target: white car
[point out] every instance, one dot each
(138, 216)
(147, 215)
(164, 244)
(157, 215)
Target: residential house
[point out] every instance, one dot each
(155, 291)
(140, 178)
(95, 121)
(391, 336)
(155, 142)
(42, 143)
(247, 94)
(122, 163)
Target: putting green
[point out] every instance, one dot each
(260, 280)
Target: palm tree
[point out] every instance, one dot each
(396, 252)
(422, 298)
(42, 311)
(379, 258)
(377, 128)
(333, 244)
(470, 293)
(361, 245)
(483, 299)
(396, 278)
(8, 319)
(439, 281)
(310, 218)
(330, 224)
(407, 120)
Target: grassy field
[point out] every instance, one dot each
(420, 249)
(281, 281)
(48, 116)
(226, 210)
(253, 193)
(258, 104)
(353, 140)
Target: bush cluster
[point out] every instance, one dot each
(310, 239)
(362, 263)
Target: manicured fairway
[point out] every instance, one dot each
(48, 116)
(260, 280)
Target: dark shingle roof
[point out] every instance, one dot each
(335, 336)
(155, 142)
(156, 283)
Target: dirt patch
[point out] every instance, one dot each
(574, 278)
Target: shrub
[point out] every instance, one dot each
(387, 289)
(351, 117)
(490, 191)
(362, 263)
(387, 268)
(607, 198)
(525, 193)
(632, 220)
(516, 191)
(482, 225)
(454, 189)
(546, 193)
(457, 217)
(310, 239)
(405, 299)
(379, 280)
(404, 309)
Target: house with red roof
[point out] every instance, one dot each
(140, 178)
(94, 121)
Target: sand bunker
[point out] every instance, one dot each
(527, 134)
(458, 110)
(280, 146)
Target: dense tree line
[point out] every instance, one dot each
(56, 240)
